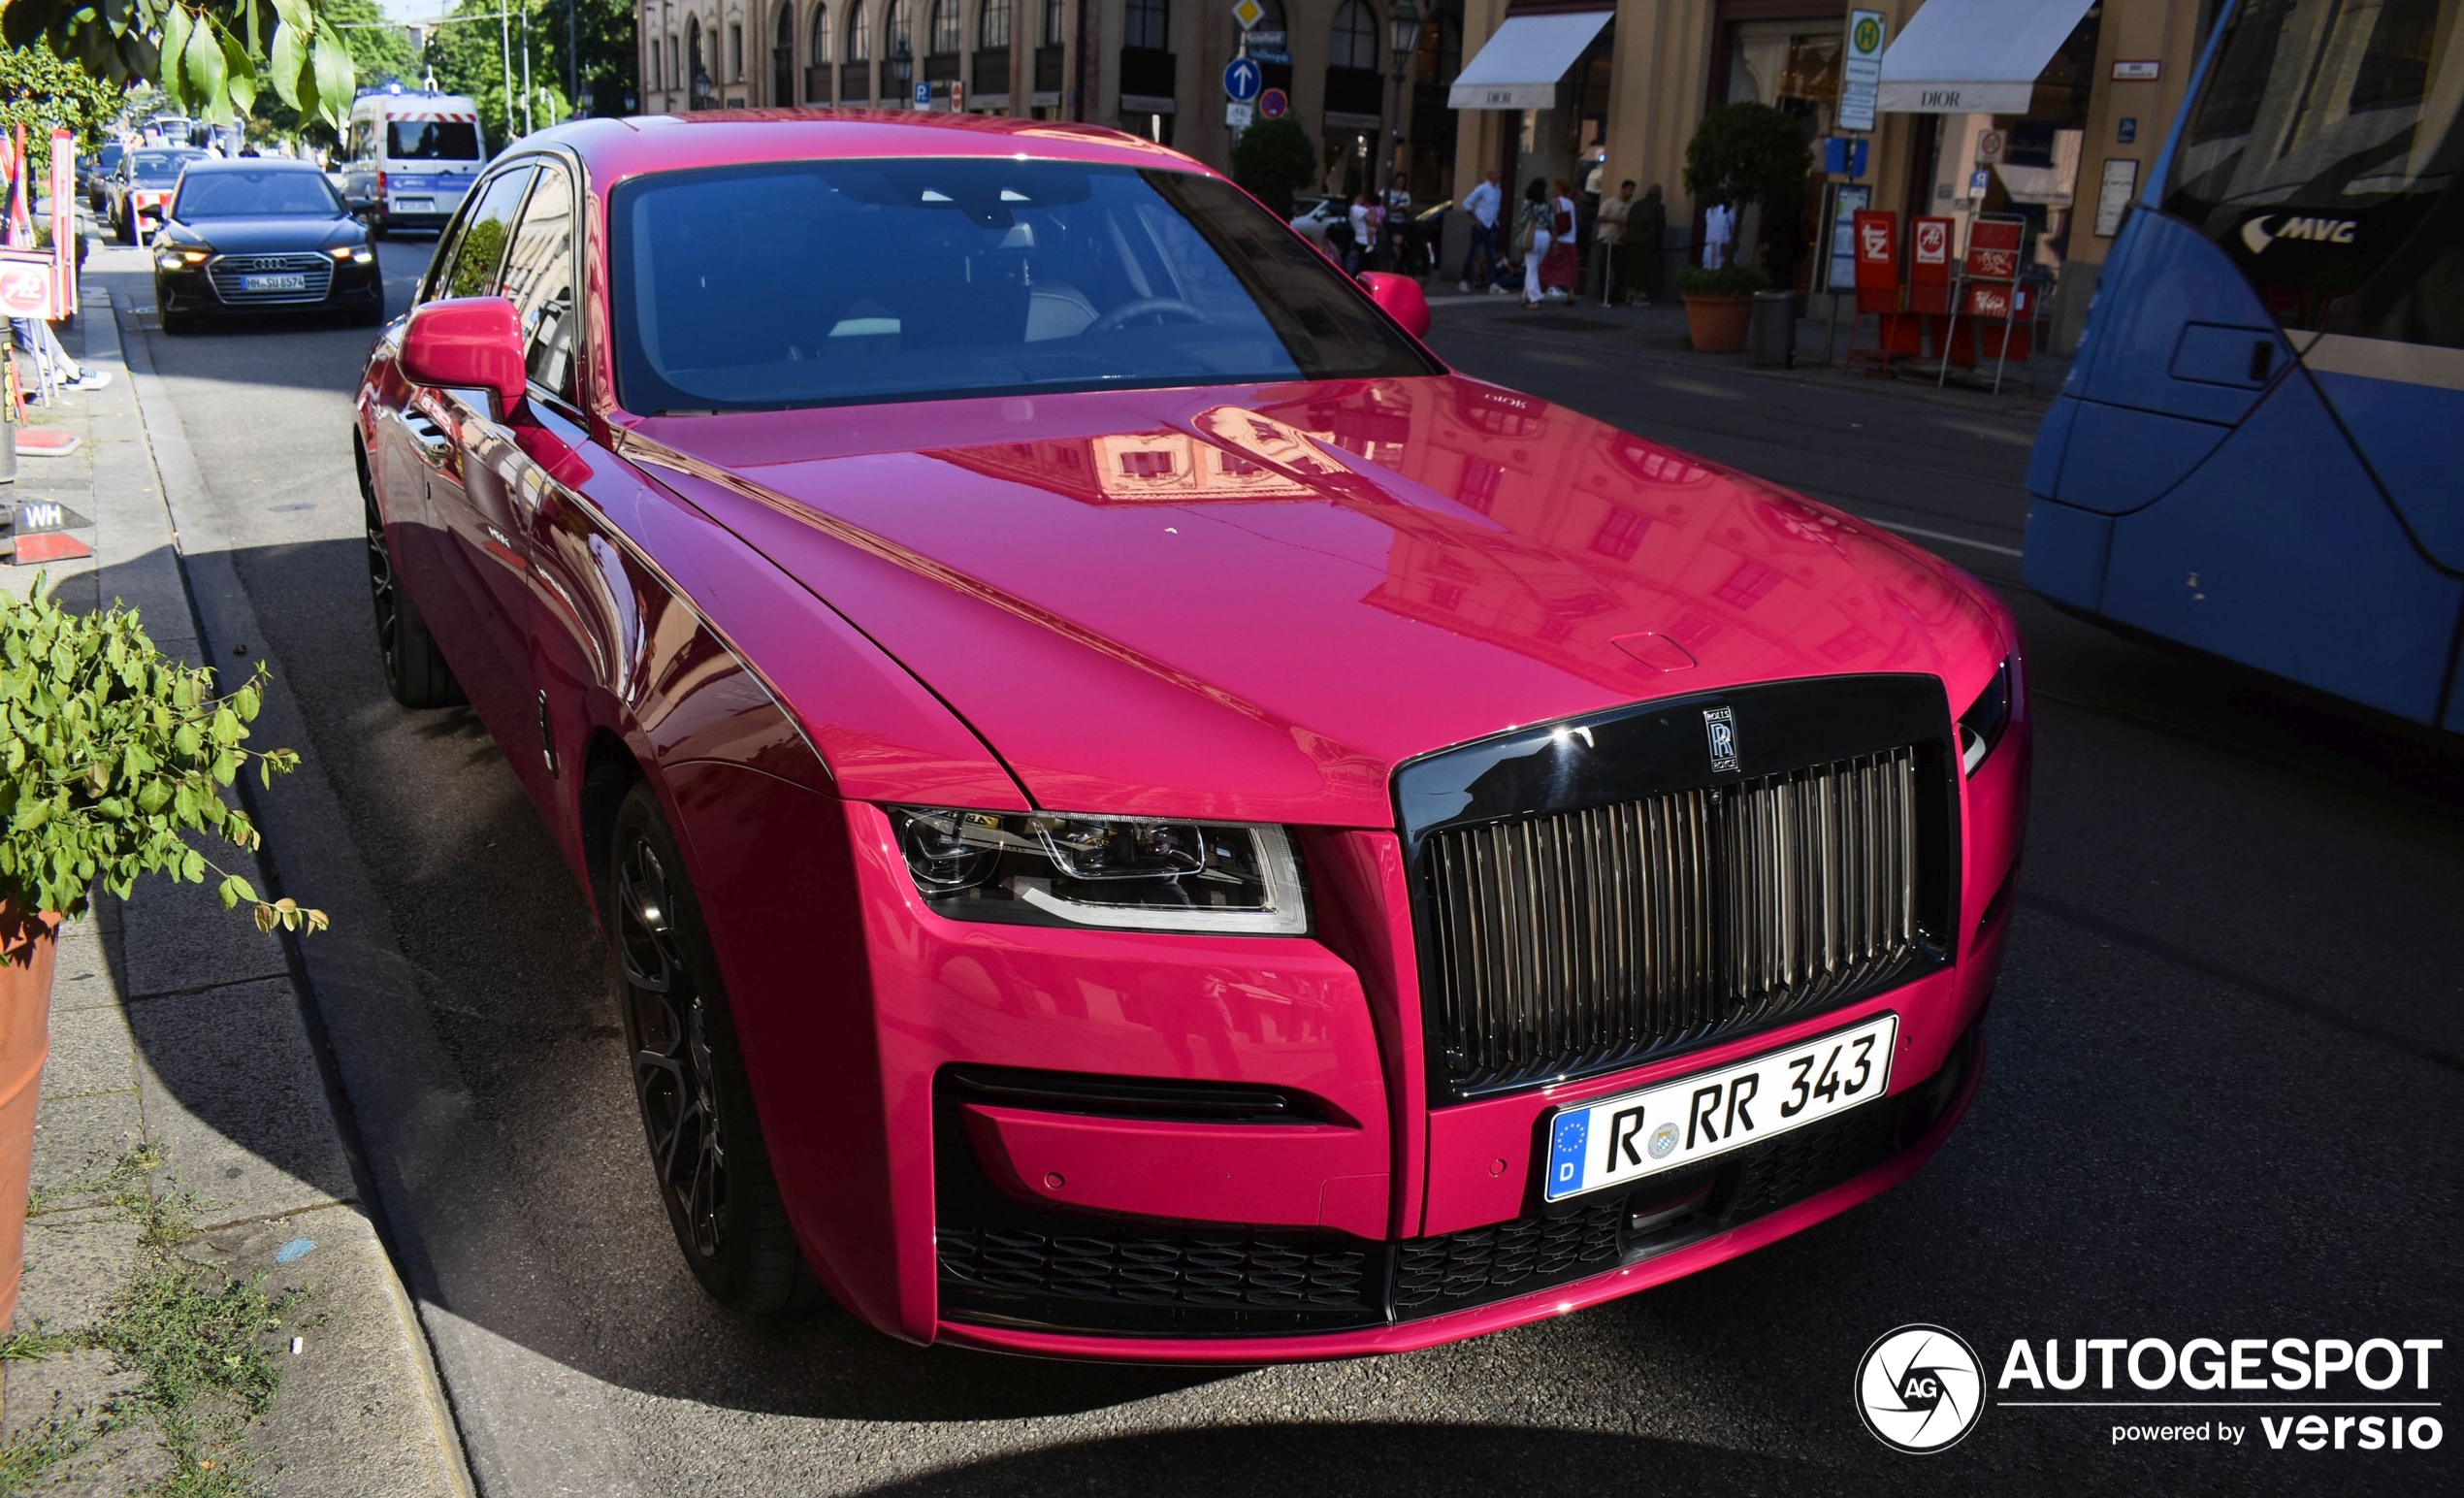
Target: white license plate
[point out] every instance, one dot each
(1619, 1140)
(414, 205)
(294, 282)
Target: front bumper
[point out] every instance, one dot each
(1766, 1194)
(190, 291)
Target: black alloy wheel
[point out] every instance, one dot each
(706, 1148)
(416, 670)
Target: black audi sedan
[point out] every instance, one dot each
(262, 235)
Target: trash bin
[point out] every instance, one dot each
(1772, 334)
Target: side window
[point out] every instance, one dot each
(478, 245)
(538, 277)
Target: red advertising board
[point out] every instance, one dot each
(1877, 251)
(1930, 265)
(1877, 248)
(25, 283)
(1992, 248)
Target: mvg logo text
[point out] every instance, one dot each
(2331, 231)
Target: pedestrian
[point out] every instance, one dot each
(1608, 245)
(1483, 203)
(1561, 270)
(1719, 226)
(1533, 237)
(1364, 231)
(1646, 232)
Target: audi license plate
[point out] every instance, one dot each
(1619, 1140)
(289, 282)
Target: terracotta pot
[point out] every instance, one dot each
(25, 1039)
(1717, 323)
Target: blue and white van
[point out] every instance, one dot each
(409, 158)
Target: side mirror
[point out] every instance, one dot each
(1400, 295)
(467, 343)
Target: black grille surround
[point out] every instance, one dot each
(1593, 893)
(1006, 1263)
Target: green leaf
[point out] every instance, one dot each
(240, 75)
(334, 79)
(176, 28)
(289, 57)
(295, 14)
(201, 65)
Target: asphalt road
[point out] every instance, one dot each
(2225, 1083)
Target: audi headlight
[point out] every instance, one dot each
(176, 257)
(1130, 873)
(356, 254)
(1980, 726)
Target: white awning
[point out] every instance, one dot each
(1520, 65)
(1974, 56)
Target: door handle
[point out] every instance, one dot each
(433, 446)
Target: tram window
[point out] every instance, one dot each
(2323, 160)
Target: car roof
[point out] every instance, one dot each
(614, 150)
(254, 164)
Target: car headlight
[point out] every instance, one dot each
(356, 254)
(1980, 726)
(1130, 873)
(174, 258)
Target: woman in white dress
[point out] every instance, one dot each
(1536, 217)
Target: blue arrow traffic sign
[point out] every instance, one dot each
(1243, 78)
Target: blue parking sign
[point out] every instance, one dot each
(924, 96)
(1243, 78)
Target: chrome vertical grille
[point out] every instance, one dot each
(1583, 940)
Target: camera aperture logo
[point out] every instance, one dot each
(1920, 1388)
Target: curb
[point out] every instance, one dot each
(223, 619)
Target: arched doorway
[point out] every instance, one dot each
(816, 78)
(783, 58)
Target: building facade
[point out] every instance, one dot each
(1622, 101)
(1154, 67)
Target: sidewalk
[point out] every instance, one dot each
(205, 1300)
(1659, 331)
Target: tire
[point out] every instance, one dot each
(416, 670)
(711, 1163)
(128, 228)
(177, 324)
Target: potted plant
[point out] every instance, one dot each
(1745, 155)
(1719, 306)
(112, 757)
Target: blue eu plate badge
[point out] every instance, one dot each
(1572, 1133)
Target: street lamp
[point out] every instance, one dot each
(1403, 38)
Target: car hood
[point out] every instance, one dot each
(1253, 603)
(257, 236)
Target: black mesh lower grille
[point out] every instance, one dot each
(1007, 1262)
(1482, 1264)
(1219, 1270)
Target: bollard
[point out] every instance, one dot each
(1772, 334)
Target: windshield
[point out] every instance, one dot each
(273, 194)
(821, 283)
(2323, 156)
(160, 168)
(432, 139)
